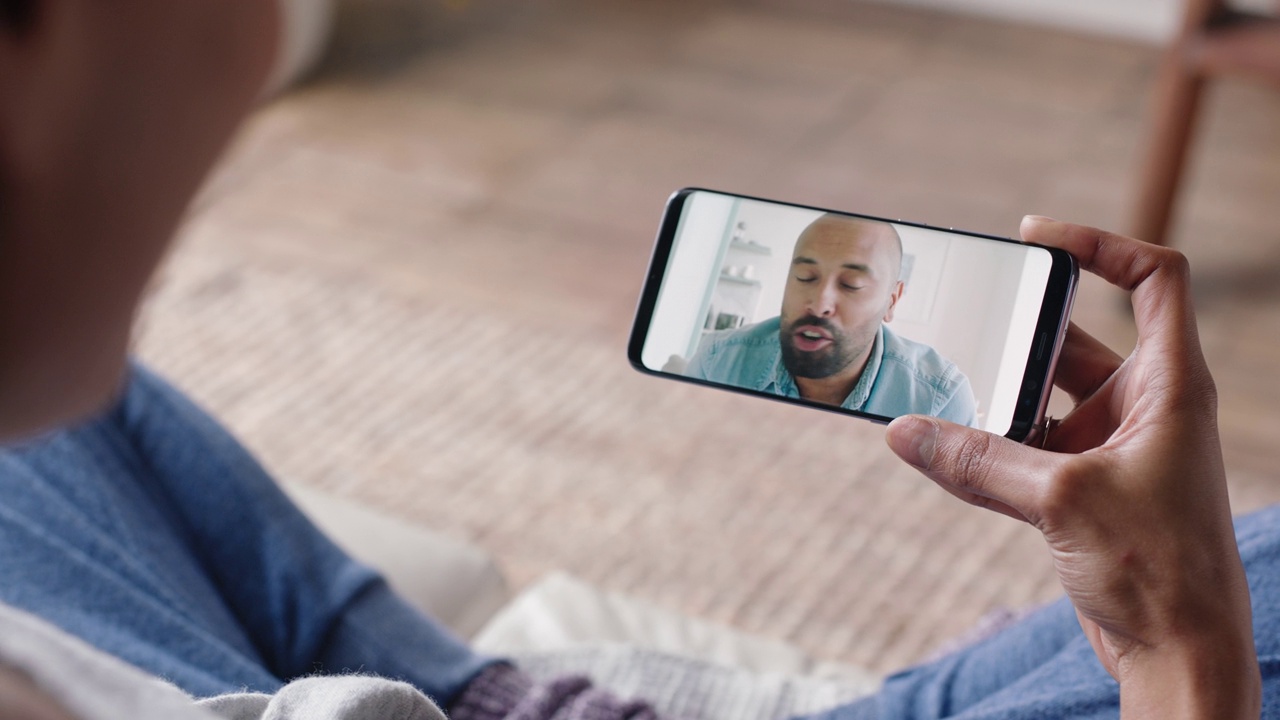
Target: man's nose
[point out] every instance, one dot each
(823, 301)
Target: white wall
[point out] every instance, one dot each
(675, 317)
(1017, 347)
(1149, 20)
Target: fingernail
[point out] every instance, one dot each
(913, 439)
(1037, 219)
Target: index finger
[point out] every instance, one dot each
(1158, 278)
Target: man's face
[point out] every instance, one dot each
(843, 284)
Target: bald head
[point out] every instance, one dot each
(875, 241)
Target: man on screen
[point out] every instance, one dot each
(830, 343)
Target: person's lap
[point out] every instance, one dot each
(152, 534)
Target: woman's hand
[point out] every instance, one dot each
(1129, 492)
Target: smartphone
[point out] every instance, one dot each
(855, 314)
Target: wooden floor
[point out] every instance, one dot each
(485, 181)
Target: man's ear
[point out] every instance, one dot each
(894, 297)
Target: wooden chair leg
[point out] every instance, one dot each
(1174, 109)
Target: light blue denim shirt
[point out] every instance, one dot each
(902, 376)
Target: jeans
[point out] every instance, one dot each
(151, 534)
(1044, 667)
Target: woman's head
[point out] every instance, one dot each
(111, 115)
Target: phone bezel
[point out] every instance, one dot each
(1037, 382)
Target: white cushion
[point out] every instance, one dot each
(561, 613)
(453, 581)
(304, 32)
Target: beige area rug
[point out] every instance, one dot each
(538, 442)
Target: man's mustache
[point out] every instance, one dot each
(817, 322)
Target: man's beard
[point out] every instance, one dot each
(822, 363)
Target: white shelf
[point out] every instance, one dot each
(751, 247)
(739, 281)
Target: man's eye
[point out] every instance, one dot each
(847, 286)
(805, 278)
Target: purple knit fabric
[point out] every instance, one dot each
(501, 692)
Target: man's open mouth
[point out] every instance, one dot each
(809, 338)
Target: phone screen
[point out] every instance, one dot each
(852, 313)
